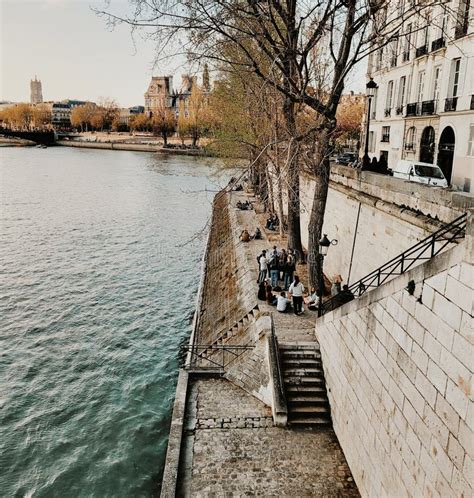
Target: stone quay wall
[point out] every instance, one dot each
(399, 371)
(374, 217)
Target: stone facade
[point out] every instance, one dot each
(399, 369)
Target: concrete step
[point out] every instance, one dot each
(298, 346)
(303, 381)
(307, 399)
(302, 372)
(298, 390)
(300, 362)
(309, 410)
(302, 354)
(313, 421)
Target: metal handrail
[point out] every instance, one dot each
(207, 353)
(278, 361)
(403, 262)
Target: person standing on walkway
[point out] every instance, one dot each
(273, 266)
(262, 266)
(289, 269)
(296, 291)
(281, 264)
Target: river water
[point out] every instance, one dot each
(96, 296)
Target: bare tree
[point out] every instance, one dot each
(303, 49)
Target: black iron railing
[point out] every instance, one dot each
(388, 111)
(437, 44)
(422, 251)
(385, 137)
(406, 56)
(450, 104)
(273, 337)
(428, 107)
(472, 102)
(399, 110)
(412, 109)
(214, 357)
(423, 50)
(409, 146)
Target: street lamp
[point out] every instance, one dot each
(324, 244)
(371, 87)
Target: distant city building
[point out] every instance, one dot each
(36, 96)
(75, 103)
(125, 113)
(423, 108)
(159, 94)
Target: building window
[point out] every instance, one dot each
(407, 47)
(385, 134)
(373, 112)
(455, 69)
(401, 94)
(421, 86)
(388, 101)
(371, 141)
(470, 145)
(410, 139)
(462, 21)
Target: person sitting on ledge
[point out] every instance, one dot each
(312, 300)
(245, 236)
(345, 295)
(258, 234)
(271, 299)
(262, 290)
(283, 303)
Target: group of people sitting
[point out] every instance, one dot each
(272, 222)
(246, 237)
(244, 206)
(281, 299)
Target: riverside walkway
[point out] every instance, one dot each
(230, 445)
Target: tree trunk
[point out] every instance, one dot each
(165, 139)
(293, 183)
(321, 171)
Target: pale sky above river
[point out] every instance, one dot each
(76, 56)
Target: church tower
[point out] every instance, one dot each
(36, 91)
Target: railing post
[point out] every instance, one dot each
(402, 260)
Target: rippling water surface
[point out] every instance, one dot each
(95, 297)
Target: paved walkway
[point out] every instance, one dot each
(230, 445)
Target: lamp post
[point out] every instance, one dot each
(371, 87)
(324, 244)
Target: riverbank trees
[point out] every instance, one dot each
(302, 50)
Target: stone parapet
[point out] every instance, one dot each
(399, 371)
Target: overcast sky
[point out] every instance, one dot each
(74, 54)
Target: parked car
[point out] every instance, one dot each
(416, 171)
(346, 158)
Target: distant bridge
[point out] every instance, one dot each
(39, 137)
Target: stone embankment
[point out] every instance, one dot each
(226, 436)
(130, 146)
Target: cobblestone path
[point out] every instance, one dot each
(237, 451)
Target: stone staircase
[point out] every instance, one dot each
(305, 387)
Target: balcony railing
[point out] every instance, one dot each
(399, 110)
(412, 109)
(450, 104)
(472, 102)
(461, 28)
(385, 137)
(409, 146)
(423, 50)
(393, 61)
(437, 44)
(428, 107)
(406, 56)
(388, 112)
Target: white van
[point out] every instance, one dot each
(416, 171)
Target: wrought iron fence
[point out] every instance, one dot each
(214, 357)
(422, 251)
